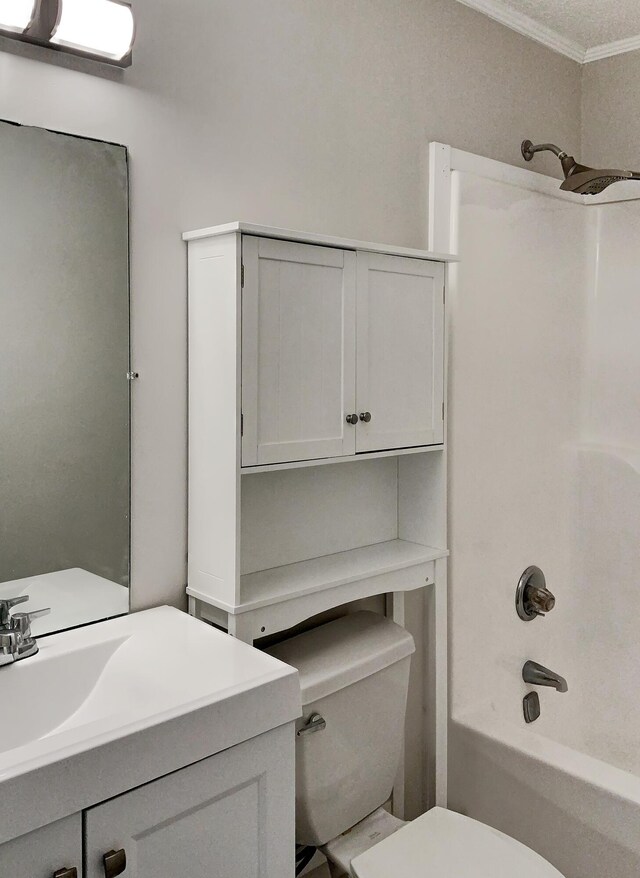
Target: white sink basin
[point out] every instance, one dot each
(108, 681)
(51, 691)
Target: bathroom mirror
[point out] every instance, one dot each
(64, 384)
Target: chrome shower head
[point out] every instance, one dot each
(578, 178)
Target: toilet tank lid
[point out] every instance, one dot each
(343, 652)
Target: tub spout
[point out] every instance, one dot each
(538, 675)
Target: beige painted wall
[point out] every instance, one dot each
(298, 113)
(312, 114)
(610, 119)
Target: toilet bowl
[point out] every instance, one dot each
(354, 678)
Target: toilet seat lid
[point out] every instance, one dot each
(443, 844)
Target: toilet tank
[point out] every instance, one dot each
(354, 673)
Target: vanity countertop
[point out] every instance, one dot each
(105, 708)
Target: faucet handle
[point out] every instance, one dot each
(539, 599)
(10, 641)
(21, 622)
(6, 606)
(533, 598)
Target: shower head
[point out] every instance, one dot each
(578, 178)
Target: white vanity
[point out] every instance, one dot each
(154, 741)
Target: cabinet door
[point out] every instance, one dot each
(298, 351)
(229, 816)
(400, 359)
(42, 853)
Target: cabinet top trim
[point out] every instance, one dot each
(310, 238)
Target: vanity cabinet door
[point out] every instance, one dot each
(298, 351)
(229, 816)
(400, 359)
(56, 848)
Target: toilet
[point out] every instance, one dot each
(354, 677)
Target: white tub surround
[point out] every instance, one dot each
(544, 449)
(111, 707)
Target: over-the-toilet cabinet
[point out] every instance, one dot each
(317, 461)
(342, 352)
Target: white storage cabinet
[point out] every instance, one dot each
(317, 461)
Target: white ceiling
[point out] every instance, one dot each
(585, 30)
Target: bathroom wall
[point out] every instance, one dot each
(610, 121)
(298, 113)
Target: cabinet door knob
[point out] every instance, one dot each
(115, 862)
(365, 417)
(66, 873)
(352, 419)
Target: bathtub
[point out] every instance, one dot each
(580, 813)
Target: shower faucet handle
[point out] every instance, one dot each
(539, 599)
(533, 598)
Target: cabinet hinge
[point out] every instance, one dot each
(444, 294)
(241, 424)
(443, 411)
(242, 275)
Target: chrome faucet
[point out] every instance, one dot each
(538, 675)
(16, 640)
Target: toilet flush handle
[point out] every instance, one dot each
(315, 723)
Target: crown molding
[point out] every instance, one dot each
(548, 37)
(608, 50)
(528, 27)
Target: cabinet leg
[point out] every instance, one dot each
(241, 628)
(395, 604)
(438, 650)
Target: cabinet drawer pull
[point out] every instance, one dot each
(66, 873)
(352, 419)
(115, 862)
(365, 417)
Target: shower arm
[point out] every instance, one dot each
(568, 162)
(529, 149)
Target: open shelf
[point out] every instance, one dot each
(279, 584)
(274, 600)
